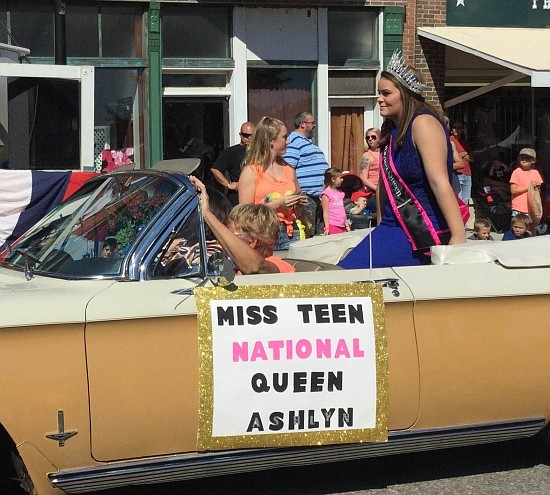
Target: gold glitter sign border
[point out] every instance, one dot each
(203, 296)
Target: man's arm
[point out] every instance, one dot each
(222, 179)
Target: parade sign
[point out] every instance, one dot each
(291, 365)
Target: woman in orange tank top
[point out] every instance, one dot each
(266, 178)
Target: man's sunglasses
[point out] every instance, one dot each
(245, 134)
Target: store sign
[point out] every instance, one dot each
(291, 365)
(490, 13)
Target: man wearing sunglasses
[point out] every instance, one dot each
(310, 164)
(227, 168)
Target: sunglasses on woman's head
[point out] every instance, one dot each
(372, 137)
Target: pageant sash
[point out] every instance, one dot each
(410, 214)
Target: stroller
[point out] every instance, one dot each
(352, 183)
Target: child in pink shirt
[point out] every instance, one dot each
(332, 201)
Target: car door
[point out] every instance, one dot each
(142, 357)
(142, 349)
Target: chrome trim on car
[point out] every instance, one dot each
(192, 466)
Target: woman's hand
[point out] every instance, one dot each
(203, 195)
(289, 200)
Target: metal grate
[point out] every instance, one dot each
(101, 138)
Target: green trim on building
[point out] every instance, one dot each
(154, 53)
(199, 63)
(121, 63)
(394, 19)
(492, 13)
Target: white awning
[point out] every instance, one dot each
(523, 50)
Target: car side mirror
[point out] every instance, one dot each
(221, 268)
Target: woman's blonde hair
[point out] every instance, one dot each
(259, 148)
(412, 102)
(257, 223)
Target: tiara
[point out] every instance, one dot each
(399, 69)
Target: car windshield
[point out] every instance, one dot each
(90, 234)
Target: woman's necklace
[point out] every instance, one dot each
(278, 180)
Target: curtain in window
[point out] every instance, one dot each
(283, 104)
(346, 137)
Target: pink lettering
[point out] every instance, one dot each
(276, 346)
(303, 349)
(357, 351)
(341, 349)
(324, 348)
(278, 350)
(240, 351)
(258, 352)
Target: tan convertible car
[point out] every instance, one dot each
(102, 379)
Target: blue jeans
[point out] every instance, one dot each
(284, 241)
(465, 187)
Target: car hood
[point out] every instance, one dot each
(44, 300)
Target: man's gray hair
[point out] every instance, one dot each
(301, 118)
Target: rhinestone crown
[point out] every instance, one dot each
(399, 69)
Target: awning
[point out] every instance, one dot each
(523, 50)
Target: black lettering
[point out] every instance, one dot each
(296, 421)
(254, 315)
(321, 313)
(345, 417)
(255, 423)
(300, 381)
(225, 315)
(276, 421)
(240, 315)
(280, 381)
(356, 314)
(335, 380)
(338, 313)
(311, 423)
(259, 383)
(317, 380)
(270, 315)
(305, 310)
(327, 414)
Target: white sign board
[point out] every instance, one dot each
(291, 370)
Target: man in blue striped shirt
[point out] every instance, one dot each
(309, 162)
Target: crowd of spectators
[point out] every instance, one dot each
(282, 189)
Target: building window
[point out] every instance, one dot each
(121, 31)
(280, 93)
(194, 80)
(82, 31)
(32, 27)
(352, 36)
(195, 32)
(92, 31)
(118, 96)
(351, 82)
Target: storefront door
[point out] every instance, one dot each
(195, 128)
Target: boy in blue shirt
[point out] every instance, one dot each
(520, 228)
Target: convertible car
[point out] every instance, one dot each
(110, 358)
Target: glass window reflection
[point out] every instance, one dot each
(32, 26)
(82, 31)
(195, 32)
(352, 35)
(118, 96)
(121, 31)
